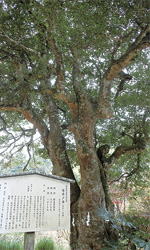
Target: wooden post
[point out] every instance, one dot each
(29, 239)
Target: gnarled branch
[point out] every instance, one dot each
(126, 175)
(121, 150)
(141, 42)
(137, 148)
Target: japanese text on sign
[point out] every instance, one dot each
(33, 203)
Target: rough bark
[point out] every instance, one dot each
(94, 195)
(57, 150)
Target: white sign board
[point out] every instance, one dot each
(34, 203)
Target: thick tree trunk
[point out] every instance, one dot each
(88, 229)
(57, 150)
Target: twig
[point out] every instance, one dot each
(128, 174)
(28, 149)
(118, 179)
(20, 45)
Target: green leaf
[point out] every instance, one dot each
(139, 242)
(117, 227)
(114, 245)
(147, 246)
(107, 248)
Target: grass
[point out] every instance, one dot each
(48, 244)
(43, 244)
(10, 245)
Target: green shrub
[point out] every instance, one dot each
(60, 247)
(45, 244)
(10, 245)
(130, 236)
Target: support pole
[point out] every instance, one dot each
(29, 240)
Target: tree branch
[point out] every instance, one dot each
(128, 174)
(124, 77)
(59, 62)
(146, 112)
(119, 178)
(28, 148)
(57, 148)
(20, 45)
(56, 93)
(141, 42)
(121, 150)
(11, 144)
(32, 118)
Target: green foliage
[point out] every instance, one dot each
(41, 38)
(90, 29)
(129, 234)
(131, 193)
(141, 223)
(16, 165)
(44, 244)
(10, 245)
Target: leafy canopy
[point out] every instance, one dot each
(43, 42)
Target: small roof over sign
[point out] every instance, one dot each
(41, 174)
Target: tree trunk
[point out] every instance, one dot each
(57, 150)
(89, 230)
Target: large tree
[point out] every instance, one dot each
(65, 67)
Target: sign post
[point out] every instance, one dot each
(32, 202)
(29, 240)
